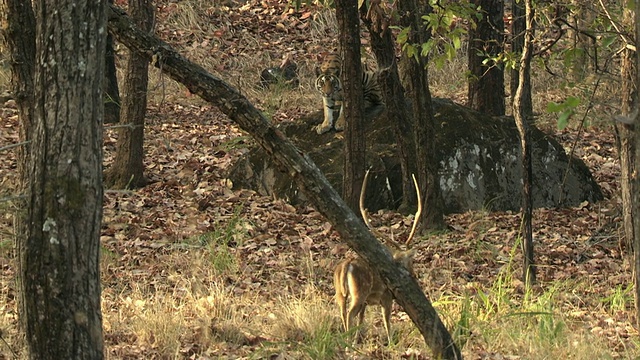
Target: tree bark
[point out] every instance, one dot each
(417, 85)
(635, 197)
(20, 34)
(59, 267)
(625, 140)
(486, 84)
(383, 47)
(112, 93)
(352, 92)
(127, 170)
(518, 26)
(302, 170)
(581, 18)
(523, 124)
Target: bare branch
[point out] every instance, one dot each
(13, 145)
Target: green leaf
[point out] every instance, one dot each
(403, 35)
(554, 107)
(563, 118)
(608, 40)
(572, 101)
(457, 42)
(426, 48)
(411, 50)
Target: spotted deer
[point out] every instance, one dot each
(360, 285)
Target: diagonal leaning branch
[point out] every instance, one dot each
(300, 167)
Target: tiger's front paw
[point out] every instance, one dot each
(321, 129)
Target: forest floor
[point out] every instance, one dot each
(192, 269)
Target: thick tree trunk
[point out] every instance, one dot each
(417, 85)
(309, 179)
(523, 124)
(354, 161)
(486, 83)
(383, 47)
(127, 170)
(59, 269)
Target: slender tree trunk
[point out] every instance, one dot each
(417, 85)
(635, 197)
(355, 146)
(20, 34)
(523, 124)
(625, 140)
(518, 26)
(112, 93)
(306, 174)
(581, 18)
(383, 47)
(127, 170)
(59, 269)
(486, 84)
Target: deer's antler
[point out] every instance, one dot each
(365, 215)
(416, 217)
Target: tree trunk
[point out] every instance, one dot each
(584, 46)
(486, 83)
(309, 179)
(59, 270)
(383, 47)
(523, 124)
(625, 140)
(112, 93)
(127, 170)
(353, 97)
(417, 85)
(518, 26)
(20, 34)
(635, 197)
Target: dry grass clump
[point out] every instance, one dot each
(299, 318)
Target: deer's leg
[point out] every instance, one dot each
(386, 302)
(357, 309)
(341, 300)
(354, 311)
(361, 315)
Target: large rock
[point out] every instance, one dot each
(479, 164)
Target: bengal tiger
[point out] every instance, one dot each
(328, 83)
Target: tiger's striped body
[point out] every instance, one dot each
(328, 83)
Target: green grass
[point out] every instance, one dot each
(221, 243)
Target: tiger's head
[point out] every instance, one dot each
(328, 76)
(328, 85)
